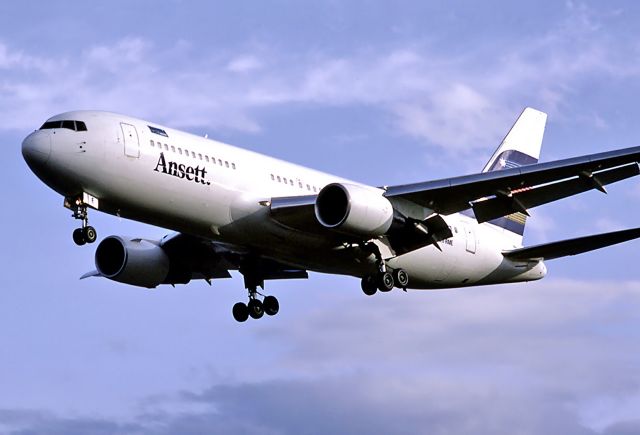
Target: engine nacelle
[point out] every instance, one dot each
(354, 210)
(137, 262)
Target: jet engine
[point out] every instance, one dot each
(138, 262)
(354, 210)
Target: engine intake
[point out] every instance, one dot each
(137, 262)
(354, 210)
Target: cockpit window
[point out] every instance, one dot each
(50, 124)
(68, 124)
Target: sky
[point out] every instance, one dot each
(377, 91)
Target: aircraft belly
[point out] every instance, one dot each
(455, 266)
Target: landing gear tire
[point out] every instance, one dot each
(256, 309)
(369, 285)
(401, 278)
(86, 233)
(385, 282)
(90, 235)
(271, 305)
(78, 237)
(240, 312)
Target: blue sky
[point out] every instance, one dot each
(382, 92)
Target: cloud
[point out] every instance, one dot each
(552, 357)
(244, 64)
(455, 102)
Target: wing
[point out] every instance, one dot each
(563, 248)
(500, 193)
(197, 258)
(208, 259)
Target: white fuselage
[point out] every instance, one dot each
(209, 189)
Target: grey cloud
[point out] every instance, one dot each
(347, 405)
(631, 427)
(29, 422)
(527, 359)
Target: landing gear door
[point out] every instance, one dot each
(131, 142)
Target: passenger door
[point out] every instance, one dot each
(131, 142)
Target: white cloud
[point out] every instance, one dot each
(458, 103)
(244, 64)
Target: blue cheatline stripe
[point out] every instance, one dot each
(502, 222)
(508, 224)
(507, 160)
(511, 159)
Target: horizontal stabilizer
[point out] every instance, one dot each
(563, 248)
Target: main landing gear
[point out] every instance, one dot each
(86, 233)
(255, 307)
(253, 271)
(384, 281)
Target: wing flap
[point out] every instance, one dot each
(452, 195)
(563, 248)
(519, 201)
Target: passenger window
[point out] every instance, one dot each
(300, 184)
(200, 156)
(279, 180)
(308, 187)
(186, 152)
(233, 166)
(220, 162)
(226, 164)
(206, 158)
(166, 147)
(152, 144)
(179, 150)
(291, 182)
(173, 149)
(273, 177)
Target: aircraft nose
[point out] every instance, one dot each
(36, 149)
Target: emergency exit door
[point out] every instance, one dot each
(471, 238)
(131, 142)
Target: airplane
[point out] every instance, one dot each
(232, 209)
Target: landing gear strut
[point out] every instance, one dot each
(86, 233)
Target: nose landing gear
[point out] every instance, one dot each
(86, 233)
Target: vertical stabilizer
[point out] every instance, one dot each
(520, 147)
